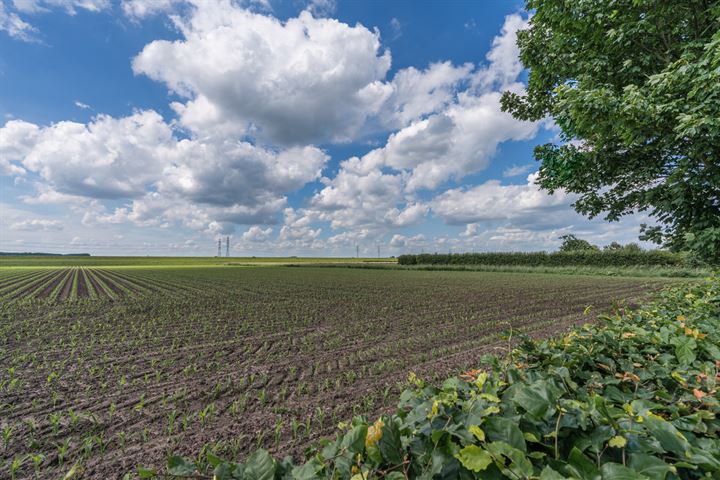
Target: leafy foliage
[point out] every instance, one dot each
(637, 83)
(586, 257)
(572, 244)
(634, 397)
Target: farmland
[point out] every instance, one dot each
(113, 367)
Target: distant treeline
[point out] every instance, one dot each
(40, 254)
(598, 258)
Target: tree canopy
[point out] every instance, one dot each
(570, 243)
(634, 86)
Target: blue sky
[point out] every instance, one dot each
(294, 127)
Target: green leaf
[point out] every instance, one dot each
(581, 466)
(474, 458)
(477, 432)
(519, 465)
(649, 466)
(181, 466)
(309, 471)
(712, 350)
(665, 432)
(503, 429)
(685, 349)
(707, 460)
(550, 474)
(224, 471)
(142, 473)
(616, 471)
(259, 466)
(214, 460)
(536, 398)
(389, 444)
(354, 440)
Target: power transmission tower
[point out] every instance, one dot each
(219, 246)
(227, 246)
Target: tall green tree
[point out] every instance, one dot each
(634, 86)
(570, 243)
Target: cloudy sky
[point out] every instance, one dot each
(304, 127)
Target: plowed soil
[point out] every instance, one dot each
(72, 283)
(116, 368)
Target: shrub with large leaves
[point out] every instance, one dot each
(633, 397)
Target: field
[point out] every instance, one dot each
(118, 366)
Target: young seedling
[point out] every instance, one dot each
(186, 420)
(260, 439)
(320, 415)
(278, 431)
(141, 404)
(101, 443)
(121, 440)
(7, 432)
(16, 465)
(55, 422)
(87, 446)
(62, 451)
(295, 428)
(206, 414)
(37, 459)
(171, 421)
(74, 418)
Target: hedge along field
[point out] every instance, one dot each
(229, 359)
(587, 258)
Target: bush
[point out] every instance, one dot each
(596, 258)
(634, 397)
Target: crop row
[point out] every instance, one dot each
(632, 398)
(58, 284)
(230, 359)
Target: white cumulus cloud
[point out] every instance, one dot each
(35, 225)
(70, 6)
(14, 26)
(491, 201)
(256, 234)
(305, 80)
(106, 158)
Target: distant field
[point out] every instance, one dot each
(82, 261)
(114, 367)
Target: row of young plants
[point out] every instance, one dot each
(49, 284)
(110, 384)
(594, 258)
(633, 397)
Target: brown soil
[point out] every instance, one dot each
(261, 347)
